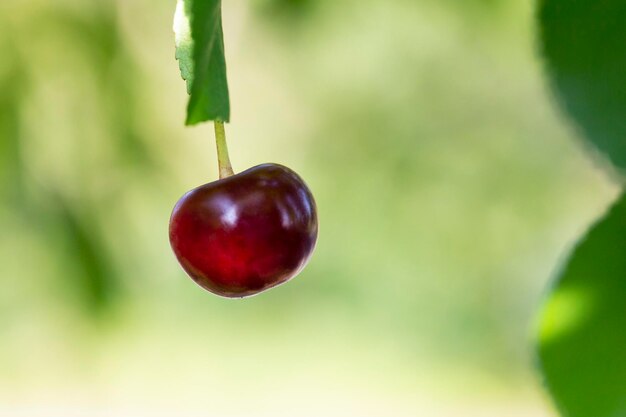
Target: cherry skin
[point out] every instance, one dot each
(246, 233)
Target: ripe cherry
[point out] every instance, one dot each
(245, 233)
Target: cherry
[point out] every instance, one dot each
(245, 233)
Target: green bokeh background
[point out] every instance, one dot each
(449, 188)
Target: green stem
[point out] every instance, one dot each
(226, 169)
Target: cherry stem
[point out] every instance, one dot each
(226, 169)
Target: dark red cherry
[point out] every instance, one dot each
(245, 233)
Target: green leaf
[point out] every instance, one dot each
(584, 45)
(582, 334)
(200, 53)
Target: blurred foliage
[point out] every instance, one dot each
(289, 9)
(71, 234)
(446, 183)
(88, 267)
(582, 335)
(13, 89)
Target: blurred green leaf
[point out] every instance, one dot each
(582, 345)
(200, 53)
(12, 87)
(584, 44)
(88, 262)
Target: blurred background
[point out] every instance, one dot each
(449, 189)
